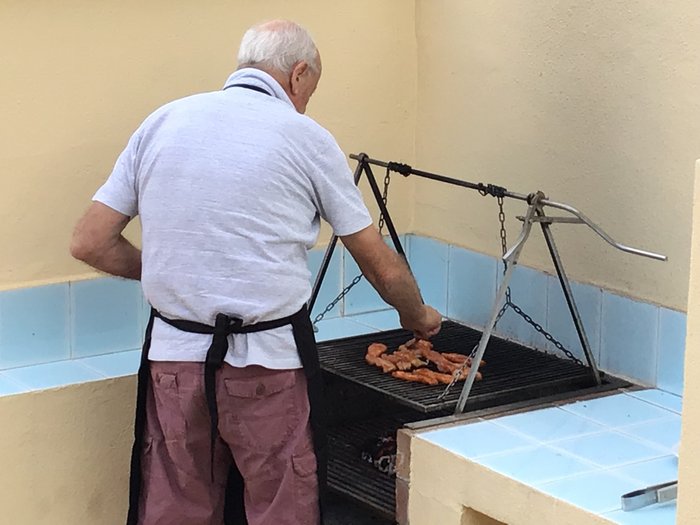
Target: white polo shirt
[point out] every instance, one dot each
(230, 186)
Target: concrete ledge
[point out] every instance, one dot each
(65, 454)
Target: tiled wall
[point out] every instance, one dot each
(103, 316)
(637, 340)
(69, 320)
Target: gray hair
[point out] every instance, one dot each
(277, 45)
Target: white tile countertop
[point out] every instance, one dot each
(588, 453)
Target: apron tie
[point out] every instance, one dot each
(223, 327)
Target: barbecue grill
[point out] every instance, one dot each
(366, 403)
(512, 373)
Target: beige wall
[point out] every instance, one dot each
(595, 102)
(689, 465)
(79, 76)
(65, 454)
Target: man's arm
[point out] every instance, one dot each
(388, 273)
(98, 241)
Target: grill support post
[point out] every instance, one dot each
(363, 165)
(568, 295)
(511, 259)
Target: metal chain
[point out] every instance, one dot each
(358, 278)
(509, 301)
(506, 305)
(335, 301)
(504, 250)
(546, 334)
(387, 180)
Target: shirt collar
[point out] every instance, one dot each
(259, 78)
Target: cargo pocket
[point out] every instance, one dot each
(261, 412)
(305, 488)
(168, 406)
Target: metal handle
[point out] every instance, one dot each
(600, 231)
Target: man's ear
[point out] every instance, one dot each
(297, 73)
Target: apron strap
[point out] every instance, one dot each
(249, 86)
(139, 426)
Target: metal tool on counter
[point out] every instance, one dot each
(660, 493)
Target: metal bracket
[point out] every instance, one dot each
(550, 220)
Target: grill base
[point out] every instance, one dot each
(354, 478)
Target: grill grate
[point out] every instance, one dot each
(512, 372)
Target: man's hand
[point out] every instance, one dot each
(426, 326)
(389, 274)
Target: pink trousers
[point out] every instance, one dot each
(263, 426)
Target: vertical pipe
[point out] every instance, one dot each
(384, 211)
(511, 258)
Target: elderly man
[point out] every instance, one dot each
(230, 187)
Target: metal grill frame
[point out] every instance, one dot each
(512, 372)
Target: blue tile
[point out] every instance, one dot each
(665, 433)
(381, 320)
(34, 325)
(669, 374)
(528, 289)
(659, 398)
(549, 424)
(332, 281)
(616, 410)
(537, 465)
(477, 439)
(471, 286)
(561, 326)
(651, 472)
(653, 515)
(596, 492)
(609, 449)
(114, 365)
(629, 331)
(51, 375)
(339, 328)
(429, 264)
(8, 386)
(106, 316)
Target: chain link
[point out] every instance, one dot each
(335, 301)
(385, 194)
(358, 278)
(546, 334)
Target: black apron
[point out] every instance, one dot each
(306, 346)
